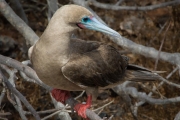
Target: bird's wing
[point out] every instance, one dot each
(78, 46)
(140, 74)
(97, 67)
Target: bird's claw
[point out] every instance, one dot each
(81, 108)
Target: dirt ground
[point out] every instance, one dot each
(141, 27)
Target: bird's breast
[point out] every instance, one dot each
(48, 68)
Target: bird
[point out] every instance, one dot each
(70, 64)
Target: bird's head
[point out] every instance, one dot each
(80, 17)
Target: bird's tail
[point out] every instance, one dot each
(140, 74)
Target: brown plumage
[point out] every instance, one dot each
(74, 65)
(97, 66)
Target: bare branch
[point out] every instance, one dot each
(3, 118)
(137, 8)
(57, 112)
(177, 117)
(90, 114)
(154, 88)
(119, 2)
(159, 32)
(20, 109)
(173, 58)
(31, 73)
(160, 48)
(4, 114)
(23, 75)
(18, 23)
(17, 7)
(12, 77)
(80, 95)
(52, 7)
(22, 98)
(102, 107)
(62, 114)
(142, 96)
(27, 70)
(2, 95)
(170, 83)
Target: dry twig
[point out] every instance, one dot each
(137, 8)
(20, 96)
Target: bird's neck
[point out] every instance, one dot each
(58, 33)
(56, 38)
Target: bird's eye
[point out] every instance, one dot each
(85, 19)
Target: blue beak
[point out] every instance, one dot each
(93, 24)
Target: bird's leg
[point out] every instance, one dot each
(60, 95)
(81, 108)
(63, 95)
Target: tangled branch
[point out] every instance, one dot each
(30, 75)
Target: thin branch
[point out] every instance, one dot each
(18, 23)
(16, 106)
(177, 117)
(42, 112)
(5, 114)
(11, 100)
(100, 111)
(12, 77)
(102, 107)
(90, 114)
(170, 83)
(16, 5)
(110, 118)
(27, 70)
(159, 32)
(154, 88)
(171, 73)
(142, 96)
(2, 94)
(1, 118)
(80, 95)
(31, 73)
(160, 48)
(20, 109)
(173, 58)
(22, 98)
(63, 115)
(12, 74)
(52, 7)
(23, 75)
(148, 88)
(137, 8)
(49, 116)
(119, 2)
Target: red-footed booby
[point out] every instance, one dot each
(68, 64)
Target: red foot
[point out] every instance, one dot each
(60, 95)
(81, 108)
